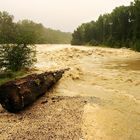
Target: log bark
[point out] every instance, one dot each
(16, 95)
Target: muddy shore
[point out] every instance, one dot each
(97, 99)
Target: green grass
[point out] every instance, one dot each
(13, 76)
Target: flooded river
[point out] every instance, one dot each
(112, 76)
(97, 99)
(132, 64)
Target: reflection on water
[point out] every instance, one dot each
(128, 64)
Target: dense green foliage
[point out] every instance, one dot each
(121, 28)
(50, 36)
(29, 32)
(16, 57)
(7, 28)
(36, 33)
(15, 38)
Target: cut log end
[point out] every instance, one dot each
(16, 95)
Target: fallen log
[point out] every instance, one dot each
(16, 95)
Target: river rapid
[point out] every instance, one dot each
(111, 77)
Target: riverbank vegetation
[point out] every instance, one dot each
(121, 28)
(9, 32)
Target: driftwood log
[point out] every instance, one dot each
(16, 95)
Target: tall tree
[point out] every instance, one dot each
(7, 28)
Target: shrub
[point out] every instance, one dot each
(16, 57)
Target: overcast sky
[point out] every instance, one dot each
(65, 15)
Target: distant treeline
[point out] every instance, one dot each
(11, 32)
(121, 28)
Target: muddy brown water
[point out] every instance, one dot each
(97, 99)
(112, 76)
(128, 64)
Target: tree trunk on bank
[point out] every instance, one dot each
(16, 95)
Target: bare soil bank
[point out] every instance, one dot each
(98, 98)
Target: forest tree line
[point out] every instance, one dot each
(120, 28)
(13, 32)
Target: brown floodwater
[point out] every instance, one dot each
(128, 64)
(112, 77)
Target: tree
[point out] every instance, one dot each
(78, 36)
(27, 32)
(7, 28)
(16, 51)
(16, 57)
